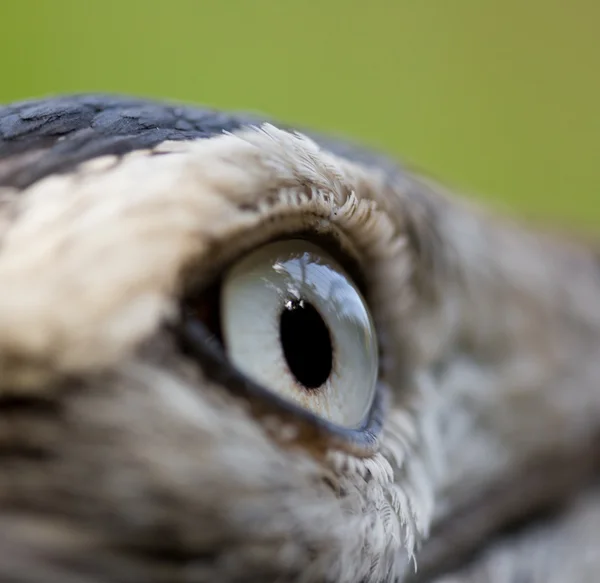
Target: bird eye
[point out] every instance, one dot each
(292, 320)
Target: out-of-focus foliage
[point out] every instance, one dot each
(500, 98)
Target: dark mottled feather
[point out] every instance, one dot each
(70, 130)
(42, 137)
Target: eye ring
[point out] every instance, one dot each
(200, 340)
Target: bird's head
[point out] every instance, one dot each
(231, 352)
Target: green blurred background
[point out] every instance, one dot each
(497, 98)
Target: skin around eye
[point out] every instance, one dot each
(293, 321)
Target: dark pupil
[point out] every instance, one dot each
(306, 343)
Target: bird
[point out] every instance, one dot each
(237, 350)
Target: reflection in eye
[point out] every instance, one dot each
(293, 321)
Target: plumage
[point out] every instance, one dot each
(125, 458)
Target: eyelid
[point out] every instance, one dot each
(285, 420)
(198, 278)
